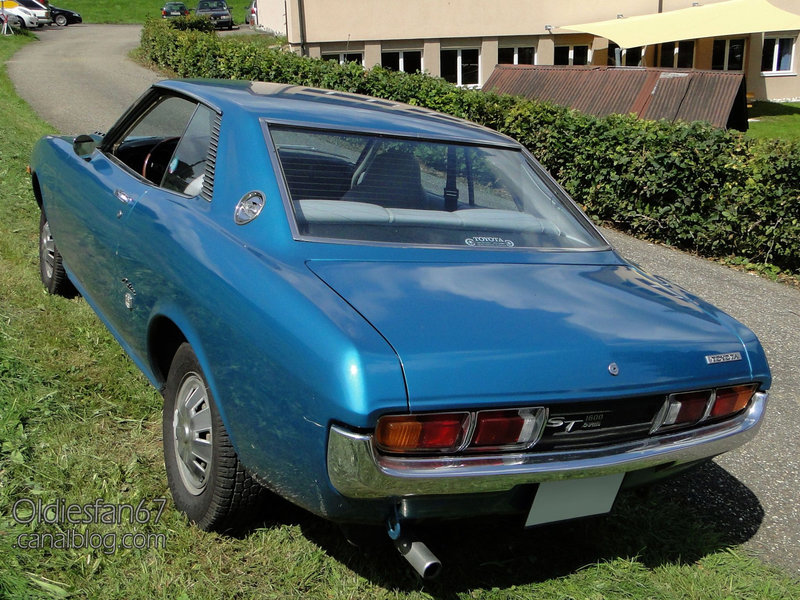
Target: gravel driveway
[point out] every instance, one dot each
(79, 79)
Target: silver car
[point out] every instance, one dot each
(20, 17)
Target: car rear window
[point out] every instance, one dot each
(369, 188)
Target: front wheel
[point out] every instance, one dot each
(51, 266)
(61, 20)
(207, 481)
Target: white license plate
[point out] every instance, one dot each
(573, 498)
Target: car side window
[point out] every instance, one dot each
(148, 146)
(186, 171)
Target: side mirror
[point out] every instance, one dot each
(84, 145)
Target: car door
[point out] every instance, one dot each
(128, 167)
(164, 226)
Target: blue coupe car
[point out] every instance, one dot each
(380, 313)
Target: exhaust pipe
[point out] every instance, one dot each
(419, 557)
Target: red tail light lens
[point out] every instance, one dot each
(732, 400)
(508, 429)
(686, 408)
(421, 433)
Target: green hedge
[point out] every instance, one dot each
(689, 185)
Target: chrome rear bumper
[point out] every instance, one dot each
(356, 470)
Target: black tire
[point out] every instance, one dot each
(51, 267)
(61, 20)
(213, 490)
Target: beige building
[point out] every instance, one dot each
(463, 40)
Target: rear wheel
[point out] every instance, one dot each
(207, 481)
(51, 267)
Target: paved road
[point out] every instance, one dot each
(80, 80)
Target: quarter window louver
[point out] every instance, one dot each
(211, 160)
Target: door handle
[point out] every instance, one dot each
(124, 197)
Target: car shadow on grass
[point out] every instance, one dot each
(677, 521)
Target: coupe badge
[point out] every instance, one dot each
(713, 359)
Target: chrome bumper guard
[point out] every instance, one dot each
(356, 470)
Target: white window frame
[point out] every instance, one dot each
(459, 79)
(776, 57)
(401, 65)
(572, 53)
(516, 54)
(728, 51)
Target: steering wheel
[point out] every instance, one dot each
(157, 159)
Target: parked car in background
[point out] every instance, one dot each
(384, 314)
(217, 11)
(174, 9)
(63, 17)
(250, 13)
(39, 9)
(20, 17)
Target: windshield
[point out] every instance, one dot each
(352, 186)
(212, 5)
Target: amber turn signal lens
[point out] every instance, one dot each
(732, 400)
(421, 433)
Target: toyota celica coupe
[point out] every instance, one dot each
(381, 313)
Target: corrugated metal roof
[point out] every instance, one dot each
(651, 93)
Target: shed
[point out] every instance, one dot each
(718, 97)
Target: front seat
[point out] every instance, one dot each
(393, 180)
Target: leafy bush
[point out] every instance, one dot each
(192, 23)
(689, 185)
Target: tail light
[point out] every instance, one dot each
(690, 408)
(163, 13)
(732, 400)
(443, 432)
(450, 432)
(687, 408)
(508, 429)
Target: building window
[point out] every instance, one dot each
(517, 56)
(777, 55)
(461, 66)
(408, 61)
(628, 57)
(728, 55)
(571, 55)
(344, 57)
(680, 55)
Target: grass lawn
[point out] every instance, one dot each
(79, 423)
(775, 120)
(133, 11)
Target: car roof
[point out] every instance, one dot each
(311, 107)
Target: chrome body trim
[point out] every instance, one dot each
(356, 470)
